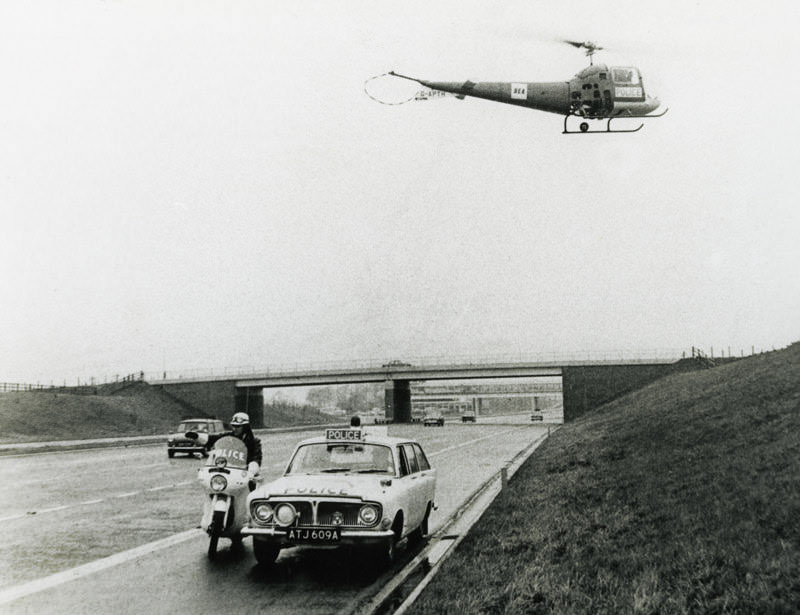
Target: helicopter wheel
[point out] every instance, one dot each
(584, 126)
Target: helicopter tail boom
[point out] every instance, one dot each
(551, 97)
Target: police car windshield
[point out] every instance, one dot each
(330, 457)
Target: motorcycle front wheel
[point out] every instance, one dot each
(215, 529)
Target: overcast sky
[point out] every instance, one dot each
(205, 184)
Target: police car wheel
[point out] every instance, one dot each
(419, 534)
(387, 553)
(265, 553)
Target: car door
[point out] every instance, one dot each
(416, 487)
(427, 476)
(404, 493)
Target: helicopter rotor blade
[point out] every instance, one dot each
(590, 46)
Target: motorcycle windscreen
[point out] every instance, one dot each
(228, 452)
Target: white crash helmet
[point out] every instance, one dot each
(240, 418)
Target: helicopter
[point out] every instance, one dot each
(598, 92)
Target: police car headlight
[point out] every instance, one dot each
(262, 512)
(368, 514)
(218, 482)
(285, 514)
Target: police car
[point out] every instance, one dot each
(348, 487)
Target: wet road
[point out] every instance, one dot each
(113, 530)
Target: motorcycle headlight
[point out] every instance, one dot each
(285, 514)
(219, 482)
(368, 514)
(262, 512)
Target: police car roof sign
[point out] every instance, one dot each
(349, 435)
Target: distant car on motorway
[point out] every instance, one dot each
(347, 487)
(177, 442)
(468, 416)
(433, 417)
(397, 363)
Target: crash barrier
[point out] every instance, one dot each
(404, 588)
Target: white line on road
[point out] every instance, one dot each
(53, 509)
(97, 501)
(456, 446)
(73, 574)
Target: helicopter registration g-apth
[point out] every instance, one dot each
(598, 92)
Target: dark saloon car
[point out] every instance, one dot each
(177, 442)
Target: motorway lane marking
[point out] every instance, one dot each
(97, 501)
(73, 574)
(456, 446)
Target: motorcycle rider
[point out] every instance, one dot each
(240, 428)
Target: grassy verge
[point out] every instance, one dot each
(683, 497)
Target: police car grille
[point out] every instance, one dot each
(349, 512)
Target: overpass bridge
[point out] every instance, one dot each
(586, 381)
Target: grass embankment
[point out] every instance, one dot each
(683, 497)
(45, 415)
(137, 410)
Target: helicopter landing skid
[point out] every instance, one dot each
(584, 126)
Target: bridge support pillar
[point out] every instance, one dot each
(251, 401)
(398, 401)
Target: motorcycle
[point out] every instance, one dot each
(227, 482)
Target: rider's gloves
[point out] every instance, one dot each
(252, 469)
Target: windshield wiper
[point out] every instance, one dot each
(336, 470)
(371, 470)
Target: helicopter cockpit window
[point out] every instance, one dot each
(625, 75)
